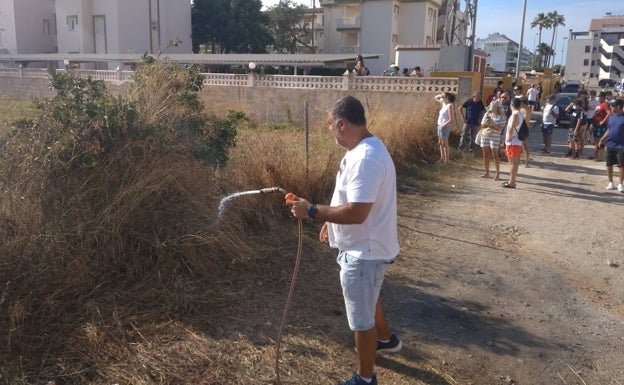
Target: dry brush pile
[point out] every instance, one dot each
(112, 263)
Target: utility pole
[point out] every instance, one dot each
(456, 31)
(521, 41)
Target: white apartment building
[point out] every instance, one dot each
(27, 26)
(314, 30)
(95, 26)
(123, 26)
(502, 52)
(597, 53)
(378, 27)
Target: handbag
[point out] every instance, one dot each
(478, 137)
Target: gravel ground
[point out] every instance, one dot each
(503, 286)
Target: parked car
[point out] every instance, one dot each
(607, 83)
(569, 87)
(563, 100)
(619, 87)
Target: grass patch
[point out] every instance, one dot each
(12, 110)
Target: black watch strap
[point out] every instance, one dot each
(312, 210)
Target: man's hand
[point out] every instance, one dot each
(323, 234)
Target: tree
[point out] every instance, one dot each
(287, 26)
(233, 25)
(555, 20)
(540, 21)
(545, 51)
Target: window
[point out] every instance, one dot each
(72, 22)
(586, 62)
(395, 38)
(396, 9)
(46, 27)
(587, 48)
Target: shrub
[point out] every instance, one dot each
(102, 193)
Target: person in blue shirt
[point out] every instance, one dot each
(614, 139)
(472, 110)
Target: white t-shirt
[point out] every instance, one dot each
(549, 118)
(531, 94)
(444, 116)
(367, 175)
(593, 103)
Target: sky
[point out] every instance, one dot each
(505, 17)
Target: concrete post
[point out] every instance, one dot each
(464, 88)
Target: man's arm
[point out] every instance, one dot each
(345, 214)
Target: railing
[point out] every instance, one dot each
(108, 75)
(347, 23)
(346, 83)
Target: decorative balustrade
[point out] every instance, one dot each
(214, 79)
(346, 83)
(107, 75)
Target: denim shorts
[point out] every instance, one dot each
(547, 128)
(361, 282)
(444, 131)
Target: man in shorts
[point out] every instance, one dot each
(550, 114)
(614, 140)
(361, 222)
(599, 123)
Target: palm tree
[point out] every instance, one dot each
(540, 21)
(555, 20)
(546, 52)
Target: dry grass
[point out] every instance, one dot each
(136, 280)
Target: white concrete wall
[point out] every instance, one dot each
(176, 24)
(79, 39)
(575, 58)
(8, 40)
(376, 34)
(21, 26)
(426, 59)
(128, 25)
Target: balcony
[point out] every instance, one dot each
(350, 49)
(348, 23)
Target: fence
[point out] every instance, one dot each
(338, 83)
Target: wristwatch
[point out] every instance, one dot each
(312, 210)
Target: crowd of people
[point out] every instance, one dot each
(361, 70)
(416, 72)
(595, 118)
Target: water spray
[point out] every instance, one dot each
(288, 196)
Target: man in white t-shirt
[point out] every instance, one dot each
(532, 99)
(361, 222)
(550, 114)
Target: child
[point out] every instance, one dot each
(577, 117)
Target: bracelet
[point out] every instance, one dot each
(312, 210)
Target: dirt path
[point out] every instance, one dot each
(501, 286)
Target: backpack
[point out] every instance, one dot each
(524, 131)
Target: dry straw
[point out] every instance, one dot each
(115, 273)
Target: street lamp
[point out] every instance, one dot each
(252, 66)
(563, 48)
(66, 62)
